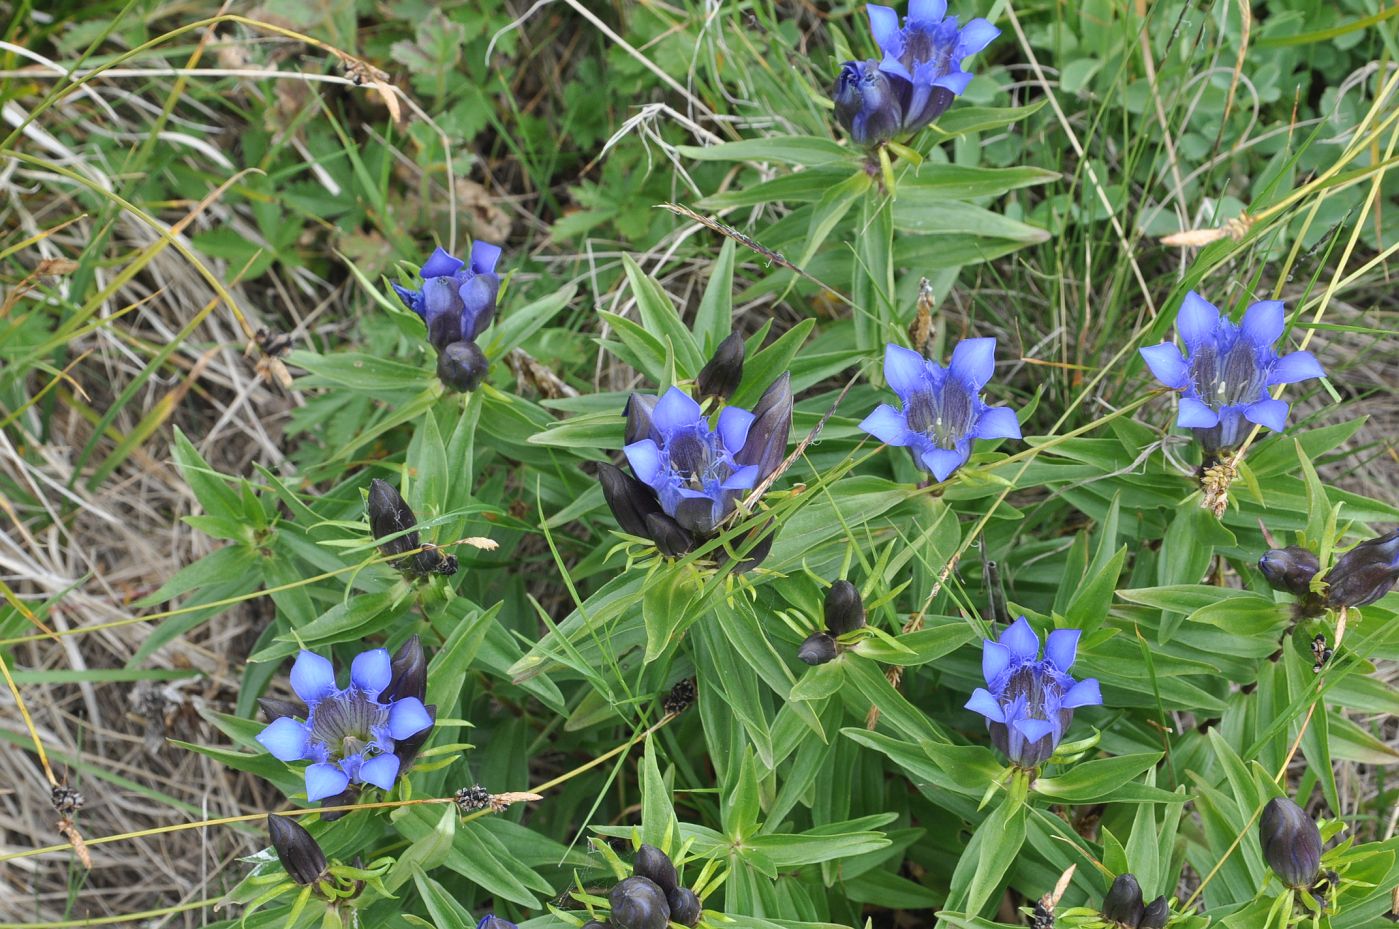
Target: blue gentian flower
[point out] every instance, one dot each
(1029, 702)
(457, 299)
(921, 70)
(942, 407)
(348, 734)
(1225, 376)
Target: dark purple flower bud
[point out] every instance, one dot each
(1123, 903)
(1289, 569)
(845, 611)
(720, 377)
(389, 513)
(656, 866)
(296, 850)
(1365, 573)
(629, 500)
(1291, 842)
(407, 749)
(766, 446)
(462, 366)
(818, 648)
(409, 667)
(638, 903)
(1157, 913)
(685, 907)
(668, 536)
(867, 105)
(272, 708)
(639, 410)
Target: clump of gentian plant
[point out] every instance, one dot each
(1226, 372)
(942, 410)
(1029, 701)
(918, 77)
(457, 302)
(307, 872)
(349, 734)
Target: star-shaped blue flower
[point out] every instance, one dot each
(1226, 373)
(349, 734)
(942, 407)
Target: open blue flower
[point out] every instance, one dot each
(348, 734)
(1029, 702)
(942, 407)
(1226, 374)
(457, 299)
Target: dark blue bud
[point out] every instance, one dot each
(462, 366)
(656, 866)
(409, 668)
(1291, 842)
(639, 410)
(867, 105)
(818, 648)
(296, 850)
(1157, 914)
(685, 907)
(273, 708)
(389, 513)
(629, 500)
(766, 445)
(1123, 903)
(1289, 569)
(720, 377)
(638, 903)
(845, 611)
(1365, 573)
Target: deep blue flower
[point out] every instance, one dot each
(942, 407)
(457, 299)
(1029, 701)
(348, 734)
(1226, 374)
(919, 76)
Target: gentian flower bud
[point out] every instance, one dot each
(639, 418)
(1123, 903)
(1365, 573)
(670, 538)
(629, 500)
(638, 903)
(409, 667)
(656, 866)
(297, 851)
(770, 429)
(272, 708)
(389, 513)
(1157, 913)
(462, 366)
(1290, 569)
(867, 105)
(818, 648)
(720, 376)
(684, 906)
(1291, 842)
(845, 611)
(759, 552)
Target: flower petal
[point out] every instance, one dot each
(955, 81)
(645, 460)
(1197, 320)
(1084, 693)
(1166, 363)
(921, 11)
(325, 780)
(484, 255)
(372, 671)
(411, 298)
(942, 462)
(995, 658)
(733, 427)
(440, 264)
(285, 738)
(312, 677)
(997, 422)
(976, 35)
(974, 360)
(982, 702)
(884, 26)
(1263, 322)
(1271, 413)
(381, 771)
(1298, 366)
(1033, 729)
(478, 305)
(1195, 415)
(675, 410)
(408, 717)
(742, 479)
(1061, 647)
(1024, 645)
(887, 425)
(904, 369)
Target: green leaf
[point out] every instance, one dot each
(660, 319)
(1095, 781)
(794, 149)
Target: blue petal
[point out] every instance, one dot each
(904, 369)
(285, 738)
(997, 422)
(942, 462)
(1298, 366)
(408, 717)
(742, 479)
(733, 427)
(371, 671)
(974, 360)
(891, 66)
(675, 410)
(982, 702)
(381, 771)
(976, 35)
(440, 264)
(887, 425)
(995, 658)
(478, 302)
(410, 298)
(884, 26)
(1166, 363)
(1262, 323)
(645, 460)
(955, 81)
(325, 780)
(1196, 415)
(1197, 320)
(1084, 693)
(484, 255)
(1061, 647)
(1024, 645)
(1271, 413)
(921, 11)
(1033, 729)
(312, 677)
